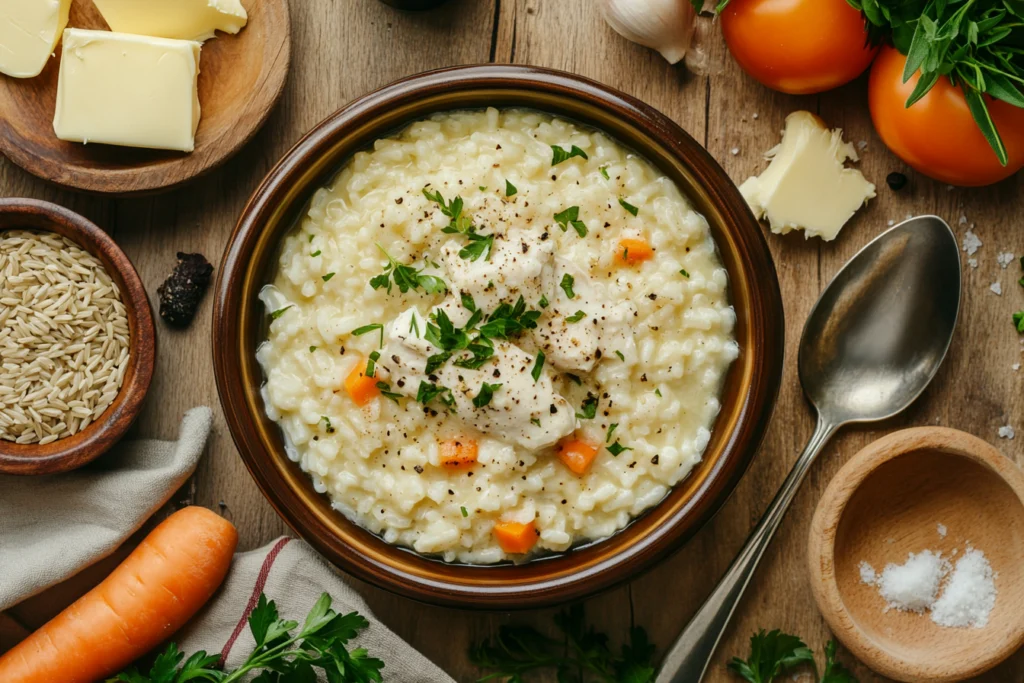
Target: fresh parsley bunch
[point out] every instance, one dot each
(978, 44)
(581, 655)
(280, 656)
(775, 652)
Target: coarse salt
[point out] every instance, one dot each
(969, 595)
(1007, 432)
(997, 288)
(913, 585)
(941, 528)
(972, 262)
(1004, 259)
(867, 573)
(971, 243)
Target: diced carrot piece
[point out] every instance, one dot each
(516, 538)
(633, 251)
(577, 455)
(459, 453)
(361, 388)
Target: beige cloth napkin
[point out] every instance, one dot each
(294, 576)
(51, 527)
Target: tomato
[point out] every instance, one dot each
(937, 135)
(797, 46)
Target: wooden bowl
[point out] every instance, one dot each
(242, 77)
(748, 398)
(887, 502)
(96, 439)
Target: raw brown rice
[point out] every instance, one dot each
(64, 338)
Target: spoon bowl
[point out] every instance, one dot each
(879, 332)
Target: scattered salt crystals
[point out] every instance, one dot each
(1007, 432)
(891, 223)
(867, 574)
(734, 151)
(972, 262)
(941, 528)
(913, 585)
(963, 219)
(755, 115)
(996, 288)
(1016, 367)
(1004, 259)
(971, 243)
(969, 595)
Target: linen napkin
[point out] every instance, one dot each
(294, 576)
(51, 527)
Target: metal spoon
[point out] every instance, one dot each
(871, 345)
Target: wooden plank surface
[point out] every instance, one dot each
(344, 49)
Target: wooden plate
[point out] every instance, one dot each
(888, 501)
(242, 77)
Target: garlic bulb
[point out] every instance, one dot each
(663, 25)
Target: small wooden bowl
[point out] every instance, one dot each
(887, 502)
(96, 439)
(241, 78)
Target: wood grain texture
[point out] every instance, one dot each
(241, 78)
(344, 49)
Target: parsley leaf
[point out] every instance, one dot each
(510, 189)
(620, 355)
(576, 317)
(535, 421)
(316, 253)
(566, 285)
(385, 390)
(538, 366)
(371, 364)
(589, 407)
(684, 273)
(611, 430)
(327, 277)
(628, 207)
(312, 349)
(479, 245)
(571, 217)
(327, 424)
(771, 654)
(617, 449)
(406, 278)
(604, 172)
(1018, 320)
(558, 155)
(485, 395)
(465, 512)
(366, 329)
(279, 312)
(543, 303)
(427, 392)
(467, 302)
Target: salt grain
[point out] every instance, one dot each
(1016, 367)
(941, 528)
(913, 585)
(996, 288)
(969, 595)
(1004, 259)
(972, 262)
(1007, 433)
(971, 243)
(867, 573)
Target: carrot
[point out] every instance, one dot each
(158, 588)
(457, 454)
(361, 388)
(516, 538)
(634, 251)
(577, 455)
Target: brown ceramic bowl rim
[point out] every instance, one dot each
(96, 439)
(753, 381)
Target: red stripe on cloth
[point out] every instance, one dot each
(261, 581)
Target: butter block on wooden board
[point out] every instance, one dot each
(134, 91)
(29, 31)
(183, 19)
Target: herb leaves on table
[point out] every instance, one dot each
(774, 653)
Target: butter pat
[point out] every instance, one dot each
(128, 90)
(807, 185)
(184, 19)
(29, 31)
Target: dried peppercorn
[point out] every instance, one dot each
(896, 181)
(182, 291)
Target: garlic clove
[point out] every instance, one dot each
(663, 25)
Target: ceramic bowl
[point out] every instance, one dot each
(747, 402)
(927, 488)
(97, 438)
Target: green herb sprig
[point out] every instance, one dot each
(558, 155)
(774, 653)
(406, 278)
(479, 245)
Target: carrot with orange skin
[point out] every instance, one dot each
(634, 251)
(577, 455)
(516, 538)
(457, 454)
(150, 595)
(361, 388)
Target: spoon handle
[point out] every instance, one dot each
(690, 655)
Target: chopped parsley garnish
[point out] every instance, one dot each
(486, 394)
(327, 277)
(507, 321)
(327, 424)
(510, 189)
(279, 312)
(371, 364)
(468, 303)
(406, 277)
(571, 217)
(543, 303)
(566, 285)
(611, 430)
(465, 512)
(535, 421)
(617, 449)
(684, 273)
(558, 155)
(435, 362)
(604, 172)
(619, 354)
(1018, 320)
(428, 392)
(445, 335)
(414, 327)
(657, 392)
(366, 329)
(589, 407)
(385, 390)
(479, 245)
(311, 236)
(482, 350)
(576, 317)
(316, 253)
(574, 378)
(483, 188)
(538, 366)
(312, 349)
(628, 207)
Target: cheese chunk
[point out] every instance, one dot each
(183, 19)
(128, 90)
(807, 186)
(29, 31)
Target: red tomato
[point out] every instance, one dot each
(937, 135)
(797, 46)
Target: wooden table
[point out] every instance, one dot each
(344, 48)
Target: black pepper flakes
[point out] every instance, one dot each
(183, 290)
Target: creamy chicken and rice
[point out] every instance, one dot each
(497, 334)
